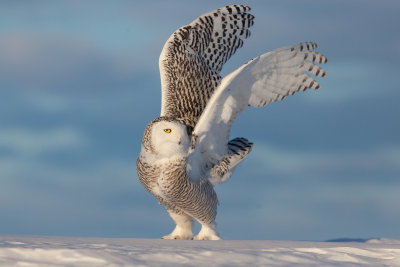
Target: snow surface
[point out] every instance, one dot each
(75, 251)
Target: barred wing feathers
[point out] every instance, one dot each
(193, 56)
(264, 79)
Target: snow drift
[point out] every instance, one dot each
(73, 251)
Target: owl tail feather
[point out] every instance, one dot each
(238, 149)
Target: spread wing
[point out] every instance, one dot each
(264, 79)
(193, 56)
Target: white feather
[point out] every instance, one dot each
(267, 78)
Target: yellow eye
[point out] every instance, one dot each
(167, 130)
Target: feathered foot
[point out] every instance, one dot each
(207, 232)
(184, 226)
(179, 233)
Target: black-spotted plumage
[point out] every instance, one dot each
(193, 57)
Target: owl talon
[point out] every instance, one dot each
(211, 237)
(175, 237)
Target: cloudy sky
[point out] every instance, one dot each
(79, 81)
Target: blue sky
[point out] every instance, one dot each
(79, 81)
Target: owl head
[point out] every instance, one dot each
(167, 137)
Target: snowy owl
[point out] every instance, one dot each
(186, 151)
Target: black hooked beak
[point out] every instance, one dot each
(189, 130)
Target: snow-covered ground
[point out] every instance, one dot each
(72, 251)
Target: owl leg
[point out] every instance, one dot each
(208, 232)
(184, 225)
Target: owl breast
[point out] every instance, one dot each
(170, 184)
(164, 179)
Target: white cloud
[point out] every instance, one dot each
(51, 62)
(29, 143)
(49, 102)
(354, 80)
(298, 162)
